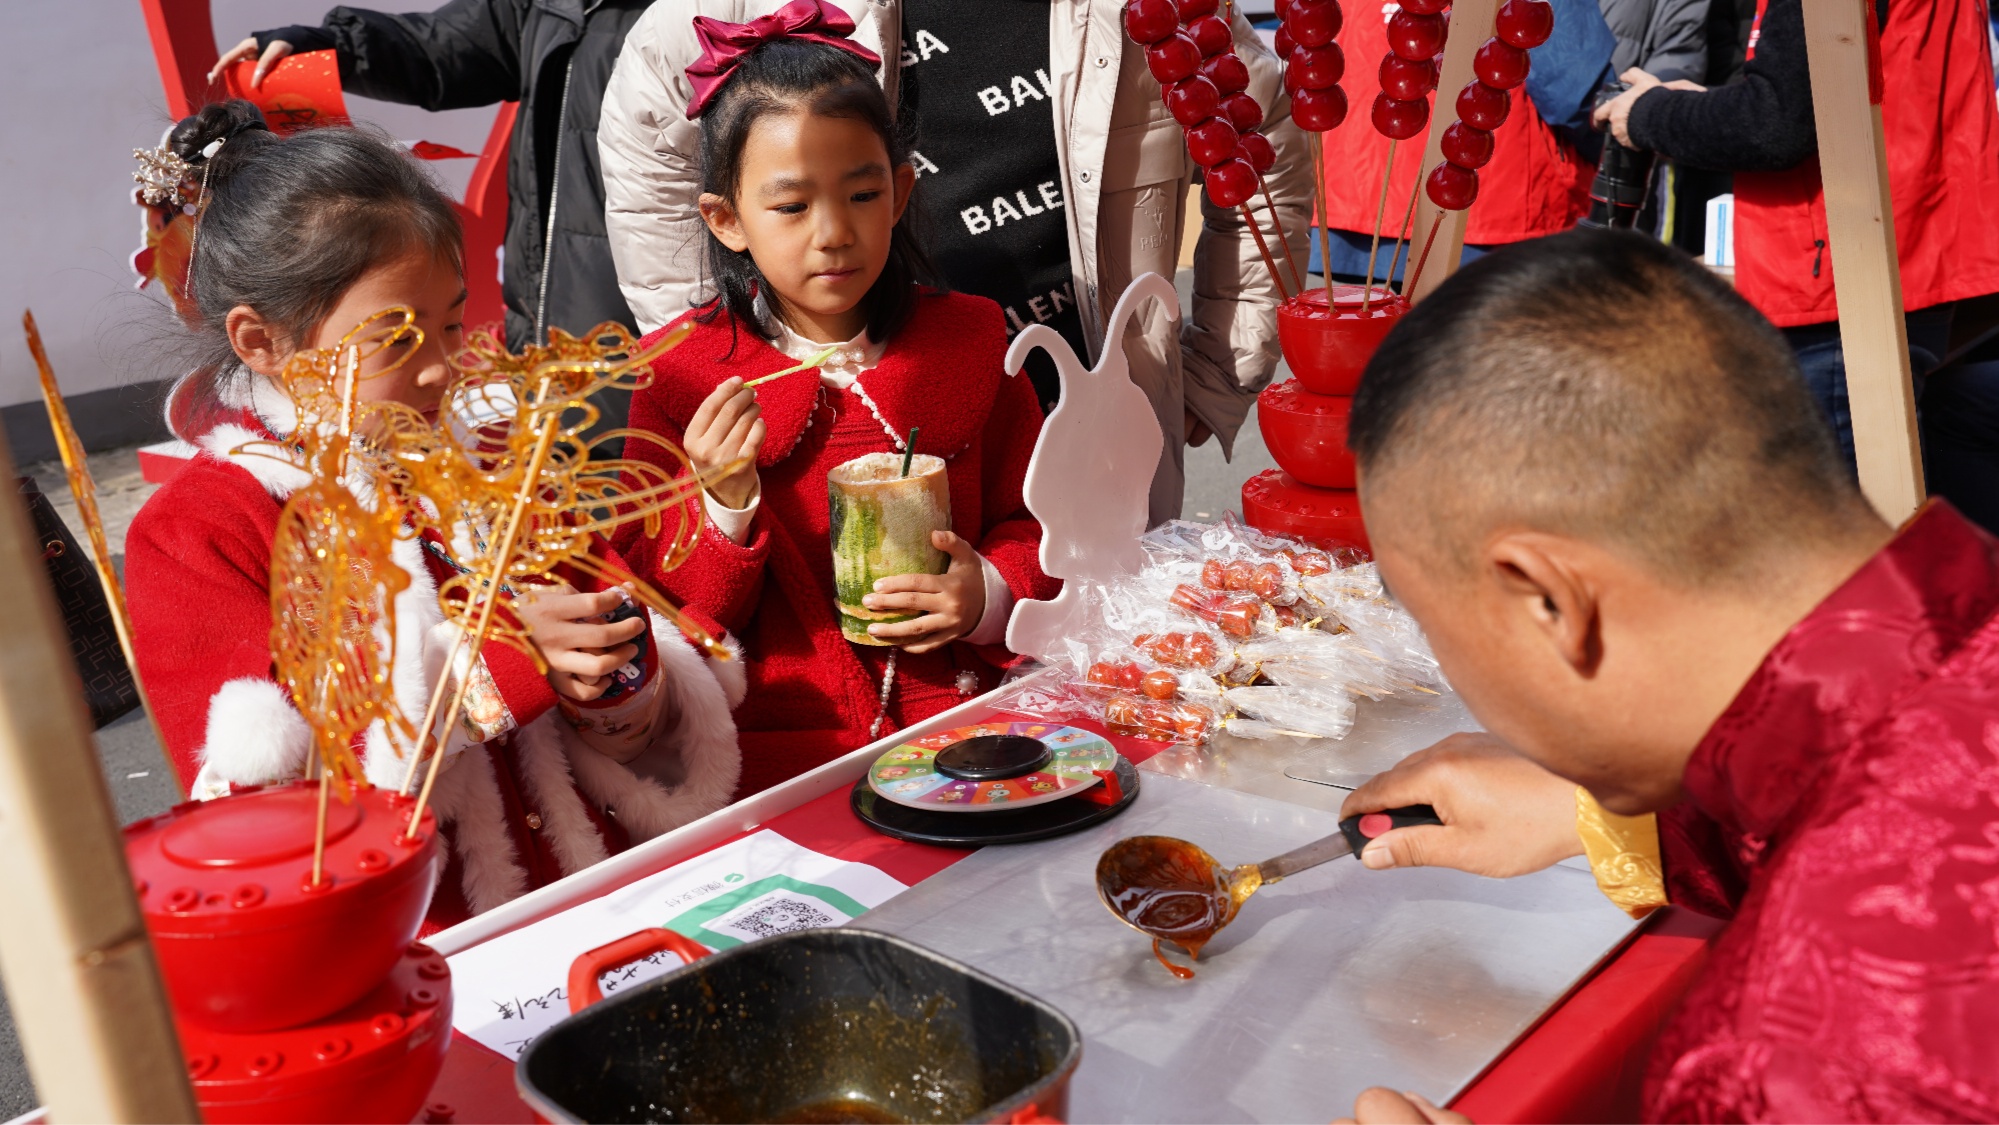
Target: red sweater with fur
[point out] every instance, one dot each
(812, 694)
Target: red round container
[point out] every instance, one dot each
(1274, 503)
(1327, 352)
(374, 1061)
(1307, 433)
(246, 941)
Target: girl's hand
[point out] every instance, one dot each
(728, 426)
(951, 602)
(582, 651)
(247, 49)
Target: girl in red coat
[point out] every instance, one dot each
(628, 734)
(805, 184)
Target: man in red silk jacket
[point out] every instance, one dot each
(1591, 471)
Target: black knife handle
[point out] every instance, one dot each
(1360, 829)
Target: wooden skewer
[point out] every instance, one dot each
(1264, 249)
(1417, 274)
(319, 828)
(1283, 240)
(1380, 212)
(530, 479)
(806, 366)
(1325, 235)
(1402, 232)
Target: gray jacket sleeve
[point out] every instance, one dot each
(1678, 41)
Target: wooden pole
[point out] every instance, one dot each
(1867, 275)
(1471, 26)
(85, 991)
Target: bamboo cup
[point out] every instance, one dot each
(880, 526)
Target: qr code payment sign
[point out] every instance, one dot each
(779, 911)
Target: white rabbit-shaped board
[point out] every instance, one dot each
(1091, 473)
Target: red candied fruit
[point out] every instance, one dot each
(1228, 72)
(1195, 600)
(1192, 100)
(1212, 142)
(1241, 574)
(1239, 616)
(1482, 107)
(1407, 81)
(1242, 112)
(1525, 24)
(1315, 68)
(1191, 10)
(1211, 35)
(1425, 7)
(1287, 615)
(1232, 182)
(1400, 120)
(1172, 58)
(1169, 649)
(1310, 562)
(1215, 574)
(1316, 111)
(1268, 581)
(1149, 21)
(1313, 23)
(1500, 64)
(1257, 149)
(1202, 651)
(1467, 146)
(1160, 684)
(1284, 43)
(1415, 37)
(1451, 187)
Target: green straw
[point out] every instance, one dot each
(909, 448)
(806, 366)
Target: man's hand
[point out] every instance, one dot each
(1503, 815)
(1615, 114)
(247, 49)
(1378, 1105)
(951, 602)
(582, 651)
(727, 427)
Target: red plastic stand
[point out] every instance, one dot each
(1274, 502)
(1307, 433)
(1328, 351)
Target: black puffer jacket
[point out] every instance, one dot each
(552, 56)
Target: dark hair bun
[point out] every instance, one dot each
(217, 121)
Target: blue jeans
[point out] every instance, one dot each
(1823, 362)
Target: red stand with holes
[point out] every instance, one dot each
(298, 998)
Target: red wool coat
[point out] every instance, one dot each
(517, 812)
(812, 694)
(1844, 814)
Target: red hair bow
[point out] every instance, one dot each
(725, 45)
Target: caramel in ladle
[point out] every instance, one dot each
(1173, 891)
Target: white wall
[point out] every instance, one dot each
(80, 91)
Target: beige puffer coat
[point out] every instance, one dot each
(1126, 175)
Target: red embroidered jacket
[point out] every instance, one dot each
(1844, 813)
(812, 694)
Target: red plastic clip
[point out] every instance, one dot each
(1107, 794)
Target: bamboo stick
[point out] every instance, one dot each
(1283, 239)
(503, 550)
(1402, 233)
(1264, 249)
(81, 980)
(83, 490)
(1380, 213)
(1325, 235)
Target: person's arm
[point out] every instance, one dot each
(1760, 123)
(650, 156)
(208, 674)
(1228, 345)
(466, 53)
(723, 579)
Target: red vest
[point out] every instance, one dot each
(1535, 184)
(1942, 131)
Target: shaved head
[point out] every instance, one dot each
(1601, 386)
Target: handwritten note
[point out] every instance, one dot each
(512, 988)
